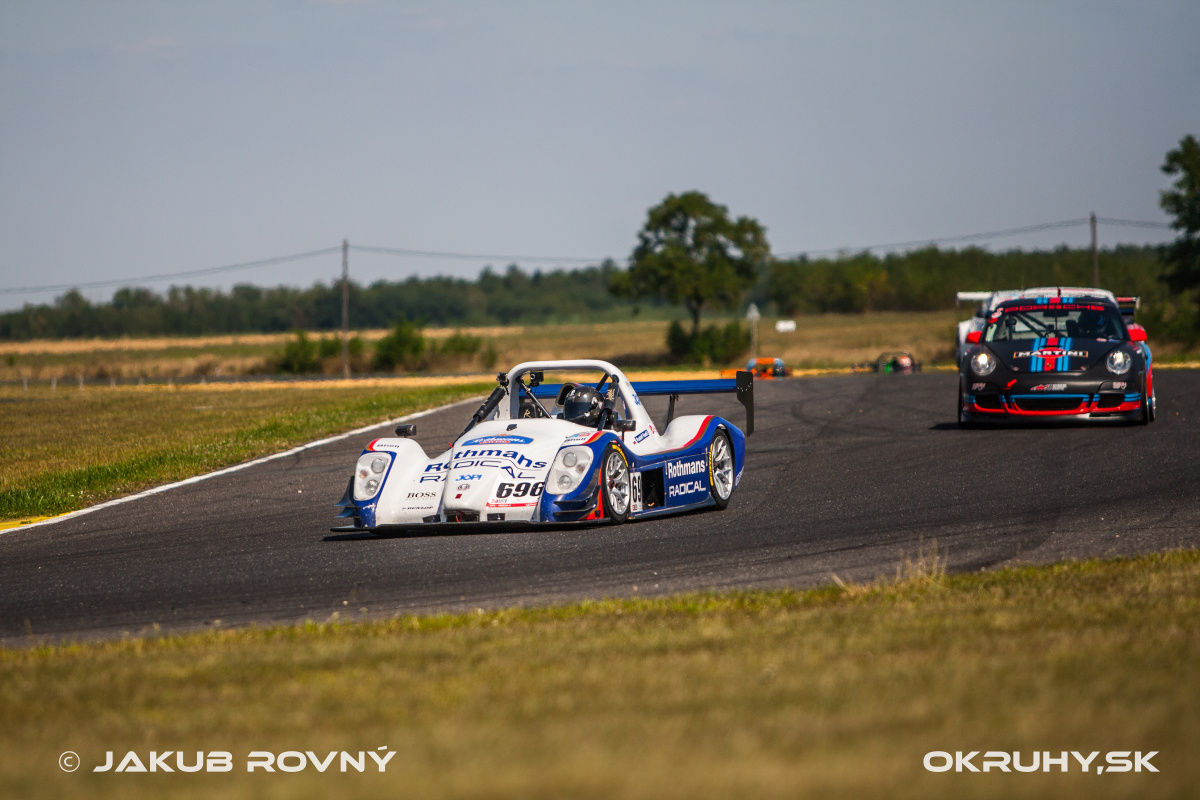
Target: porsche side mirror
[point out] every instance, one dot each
(408, 429)
(624, 425)
(974, 337)
(1136, 332)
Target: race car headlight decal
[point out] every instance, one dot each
(368, 475)
(569, 468)
(1119, 362)
(983, 363)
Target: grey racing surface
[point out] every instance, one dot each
(849, 476)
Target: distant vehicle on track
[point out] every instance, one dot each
(762, 368)
(578, 449)
(1064, 354)
(898, 362)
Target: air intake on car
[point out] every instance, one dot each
(1050, 403)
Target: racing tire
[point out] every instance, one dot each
(964, 419)
(721, 471)
(616, 485)
(1147, 413)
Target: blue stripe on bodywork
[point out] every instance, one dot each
(1037, 363)
(1063, 363)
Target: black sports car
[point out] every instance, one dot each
(1057, 357)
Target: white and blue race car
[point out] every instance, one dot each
(577, 447)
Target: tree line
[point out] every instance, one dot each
(919, 280)
(691, 254)
(513, 296)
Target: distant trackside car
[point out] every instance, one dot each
(763, 368)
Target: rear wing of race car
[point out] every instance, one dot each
(742, 386)
(1128, 306)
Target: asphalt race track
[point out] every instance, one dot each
(848, 476)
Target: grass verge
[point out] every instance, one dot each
(67, 449)
(832, 692)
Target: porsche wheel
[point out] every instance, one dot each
(720, 469)
(615, 485)
(1147, 408)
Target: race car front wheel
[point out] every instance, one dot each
(720, 469)
(615, 484)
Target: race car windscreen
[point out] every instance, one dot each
(549, 384)
(1026, 322)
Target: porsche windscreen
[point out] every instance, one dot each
(1030, 321)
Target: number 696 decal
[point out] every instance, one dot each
(523, 489)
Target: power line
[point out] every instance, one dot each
(444, 254)
(397, 251)
(967, 237)
(168, 275)
(1133, 223)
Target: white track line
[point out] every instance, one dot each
(228, 470)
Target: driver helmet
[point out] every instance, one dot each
(582, 405)
(1091, 323)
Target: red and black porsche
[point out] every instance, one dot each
(1056, 356)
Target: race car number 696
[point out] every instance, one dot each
(523, 489)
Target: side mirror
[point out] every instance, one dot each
(408, 429)
(624, 425)
(974, 337)
(1136, 332)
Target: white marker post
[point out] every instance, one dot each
(752, 316)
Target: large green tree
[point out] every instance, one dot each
(1182, 202)
(691, 252)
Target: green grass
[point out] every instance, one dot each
(66, 449)
(832, 692)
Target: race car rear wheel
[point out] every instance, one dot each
(615, 484)
(720, 469)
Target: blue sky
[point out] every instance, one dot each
(142, 138)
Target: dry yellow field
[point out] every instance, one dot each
(820, 342)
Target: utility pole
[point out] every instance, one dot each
(1095, 254)
(346, 308)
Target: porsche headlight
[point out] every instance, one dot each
(983, 363)
(569, 468)
(1119, 362)
(368, 474)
